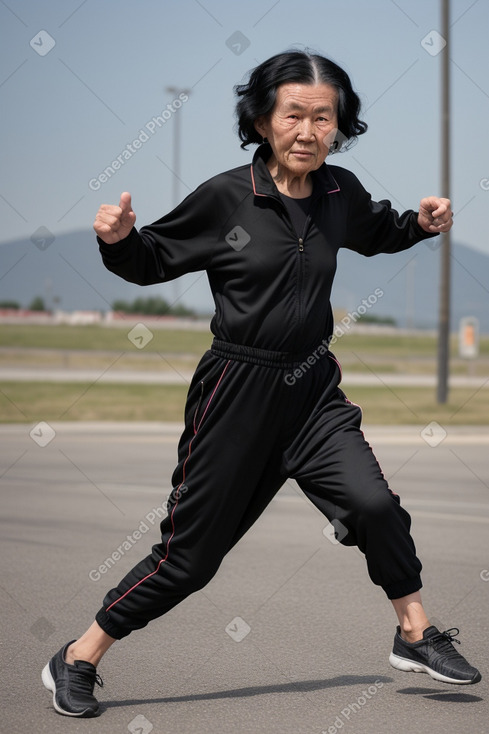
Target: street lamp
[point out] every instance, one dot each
(176, 91)
(445, 276)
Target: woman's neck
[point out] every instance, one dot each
(297, 187)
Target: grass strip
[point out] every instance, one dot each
(30, 402)
(96, 337)
(63, 336)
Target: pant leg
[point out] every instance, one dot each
(228, 470)
(336, 468)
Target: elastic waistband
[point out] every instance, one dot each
(264, 357)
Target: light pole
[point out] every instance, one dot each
(176, 91)
(444, 303)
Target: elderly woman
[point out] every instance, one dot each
(265, 402)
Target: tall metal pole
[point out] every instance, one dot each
(176, 145)
(444, 303)
(176, 159)
(176, 167)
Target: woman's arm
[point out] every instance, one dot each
(181, 242)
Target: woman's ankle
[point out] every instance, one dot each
(91, 647)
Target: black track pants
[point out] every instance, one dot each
(251, 421)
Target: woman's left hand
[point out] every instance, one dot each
(435, 214)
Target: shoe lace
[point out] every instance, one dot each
(86, 679)
(442, 642)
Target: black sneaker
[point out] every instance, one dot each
(436, 655)
(72, 685)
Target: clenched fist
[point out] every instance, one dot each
(113, 223)
(435, 214)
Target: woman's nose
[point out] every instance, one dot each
(306, 130)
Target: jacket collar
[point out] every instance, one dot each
(263, 184)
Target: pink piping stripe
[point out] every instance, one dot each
(253, 182)
(334, 191)
(178, 498)
(341, 378)
(337, 364)
(213, 393)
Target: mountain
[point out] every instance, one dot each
(410, 283)
(68, 273)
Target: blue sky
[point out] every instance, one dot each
(106, 66)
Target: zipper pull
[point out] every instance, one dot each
(301, 244)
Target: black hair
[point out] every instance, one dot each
(257, 97)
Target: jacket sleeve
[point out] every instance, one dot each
(374, 227)
(181, 242)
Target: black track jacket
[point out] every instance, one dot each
(271, 285)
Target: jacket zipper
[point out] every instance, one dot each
(300, 247)
(300, 282)
(301, 244)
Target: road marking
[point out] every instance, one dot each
(448, 516)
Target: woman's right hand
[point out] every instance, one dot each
(113, 223)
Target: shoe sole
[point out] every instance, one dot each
(48, 682)
(410, 666)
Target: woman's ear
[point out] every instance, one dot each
(261, 126)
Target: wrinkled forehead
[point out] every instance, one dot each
(307, 97)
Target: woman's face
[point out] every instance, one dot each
(301, 126)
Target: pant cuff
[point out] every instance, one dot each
(104, 621)
(403, 588)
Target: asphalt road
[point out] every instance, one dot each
(290, 637)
